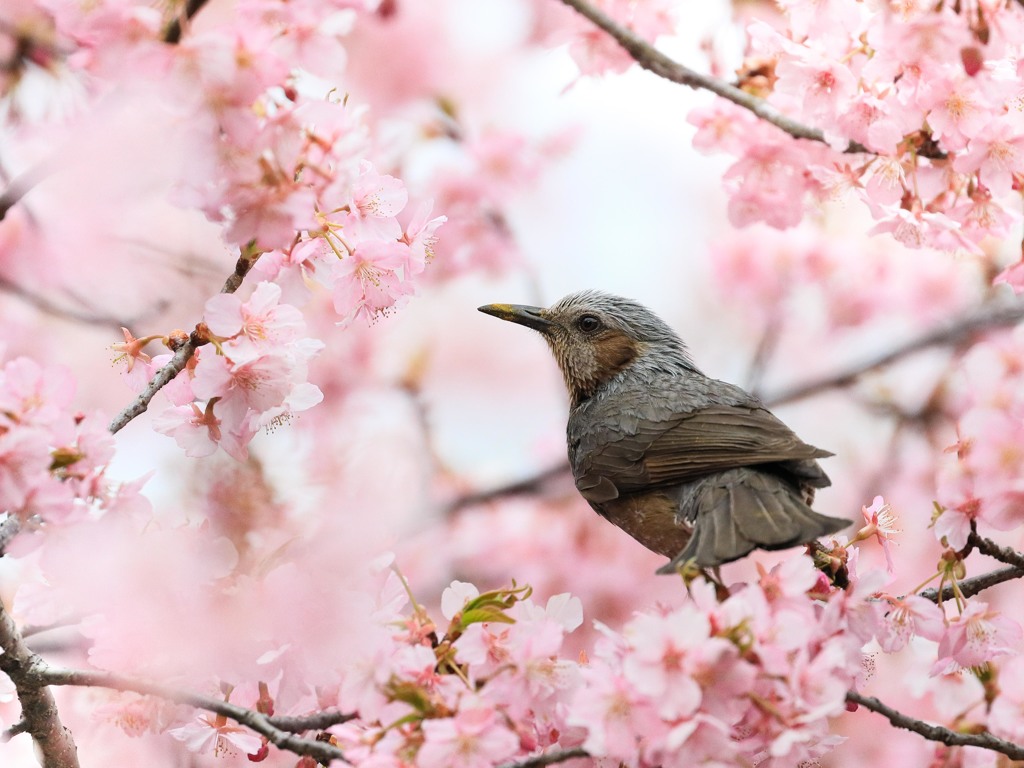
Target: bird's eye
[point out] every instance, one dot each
(588, 323)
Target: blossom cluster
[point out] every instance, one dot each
(813, 277)
(979, 479)
(927, 96)
(753, 676)
(52, 460)
(252, 375)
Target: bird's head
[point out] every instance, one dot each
(595, 335)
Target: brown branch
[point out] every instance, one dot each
(317, 721)
(955, 332)
(975, 584)
(988, 547)
(39, 716)
(550, 758)
(320, 751)
(533, 484)
(174, 30)
(653, 60)
(181, 355)
(938, 733)
(44, 304)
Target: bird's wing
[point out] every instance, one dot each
(660, 451)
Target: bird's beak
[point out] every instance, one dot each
(531, 317)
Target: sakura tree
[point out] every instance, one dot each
(318, 512)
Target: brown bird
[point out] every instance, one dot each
(691, 467)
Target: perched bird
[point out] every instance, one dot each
(691, 467)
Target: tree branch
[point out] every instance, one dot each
(174, 30)
(653, 60)
(550, 758)
(946, 334)
(44, 304)
(21, 186)
(1002, 554)
(938, 733)
(318, 721)
(281, 737)
(975, 584)
(181, 355)
(39, 716)
(532, 484)
(8, 530)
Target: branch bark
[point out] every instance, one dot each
(550, 758)
(975, 584)
(938, 733)
(39, 716)
(988, 547)
(278, 731)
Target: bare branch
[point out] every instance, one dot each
(530, 485)
(975, 584)
(653, 60)
(550, 758)
(265, 726)
(44, 304)
(181, 355)
(39, 716)
(21, 186)
(948, 334)
(1002, 554)
(8, 530)
(174, 30)
(938, 733)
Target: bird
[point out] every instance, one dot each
(693, 468)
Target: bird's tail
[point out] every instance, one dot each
(745, 509)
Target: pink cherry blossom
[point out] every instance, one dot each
(881, 523)
(371, 280)
(908, 617)
(996, 153)
(1006, 717)
(474, 738)
(216, 735)
(976, 636)
(196, 431)
(261, 323)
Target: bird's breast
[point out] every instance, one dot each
(650, 518)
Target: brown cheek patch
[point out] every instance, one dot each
(615, 353)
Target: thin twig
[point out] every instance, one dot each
(975, 584)
(261, 724)
(947, 334)
(550, 758)
(938, 733)
(44, 304)
(39, 716)
(653, 60)
(181, 356)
